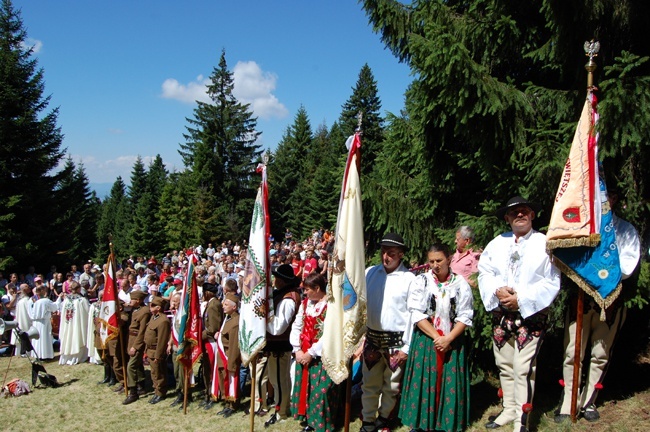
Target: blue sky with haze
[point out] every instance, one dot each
(125, 74)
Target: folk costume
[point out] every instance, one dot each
(278, 348)
(602, 334)
(156, 337)
(387, 320)
(315, 397)
(228, 357)
(436, 384)
(73, 330)
(40, 312)
(522, 264)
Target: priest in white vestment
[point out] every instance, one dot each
(73, 331)
(22, 315)
(93, 314)
(40, 311)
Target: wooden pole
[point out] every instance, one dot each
(253, 367)
(576, 356)
(123, 352)
(186, 385)
(348, 397)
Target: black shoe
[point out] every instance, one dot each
(202, 403)
(228, 412)
(591, 413)
(271, 421)
(178, 400)
(141, 391)
(111, 382)
(131, 398)
(119, 388)
(155, 399)
(106, 380)
(308, 429)
(208, 405)
(492, 425)
(223, 411)
(561, 418)
(368, 427)
(304, 423)
(494, 417)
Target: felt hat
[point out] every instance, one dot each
(233, 298)
(515, 202)
(393, 240)
(285, 272)
(213, 288)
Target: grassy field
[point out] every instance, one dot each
(82, 405)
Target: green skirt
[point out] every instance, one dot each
(418, 403)
(323, 397)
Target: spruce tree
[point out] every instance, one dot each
(112, 220)
(220, 150)
(148, 235)
(29, 154)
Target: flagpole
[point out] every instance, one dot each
(253, 366)
(119, 321)
(186, 382)
(348, 397)
(591, 51)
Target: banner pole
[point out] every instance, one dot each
(576, 356)
(348, 397)
(186, 379)
(253, 367)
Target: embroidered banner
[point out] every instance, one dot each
(346, 311)
(255, 296)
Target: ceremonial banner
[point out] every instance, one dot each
(109, 320)
(581, 232)
(346, 311)
(255, 290)
(187, 321)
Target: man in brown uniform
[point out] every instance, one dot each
(212, 319)
(156, 337)
(229, 356)
(115, 353)
(135, 369)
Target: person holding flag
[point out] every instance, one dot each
(602, 333)
(212, 319)
(140, 317)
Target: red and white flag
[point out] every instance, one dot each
(108, 317)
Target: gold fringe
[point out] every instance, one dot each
(591, 240)
(604, 303)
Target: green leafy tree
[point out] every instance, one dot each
(29, 153)
(220, 150)
(174, 213)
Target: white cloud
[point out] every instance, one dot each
(251, 86)
(107, 170)
(187, 93)
(35, 44)
(254, 86)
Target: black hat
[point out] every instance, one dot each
(393, 240)
(285, 272)
(213, 288)
(517, 201)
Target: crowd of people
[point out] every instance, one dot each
(413, 360)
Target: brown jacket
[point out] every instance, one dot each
(139, 319)
(157, 335)
(212, 319)
(230, 341)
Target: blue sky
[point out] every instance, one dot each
(125, 74)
